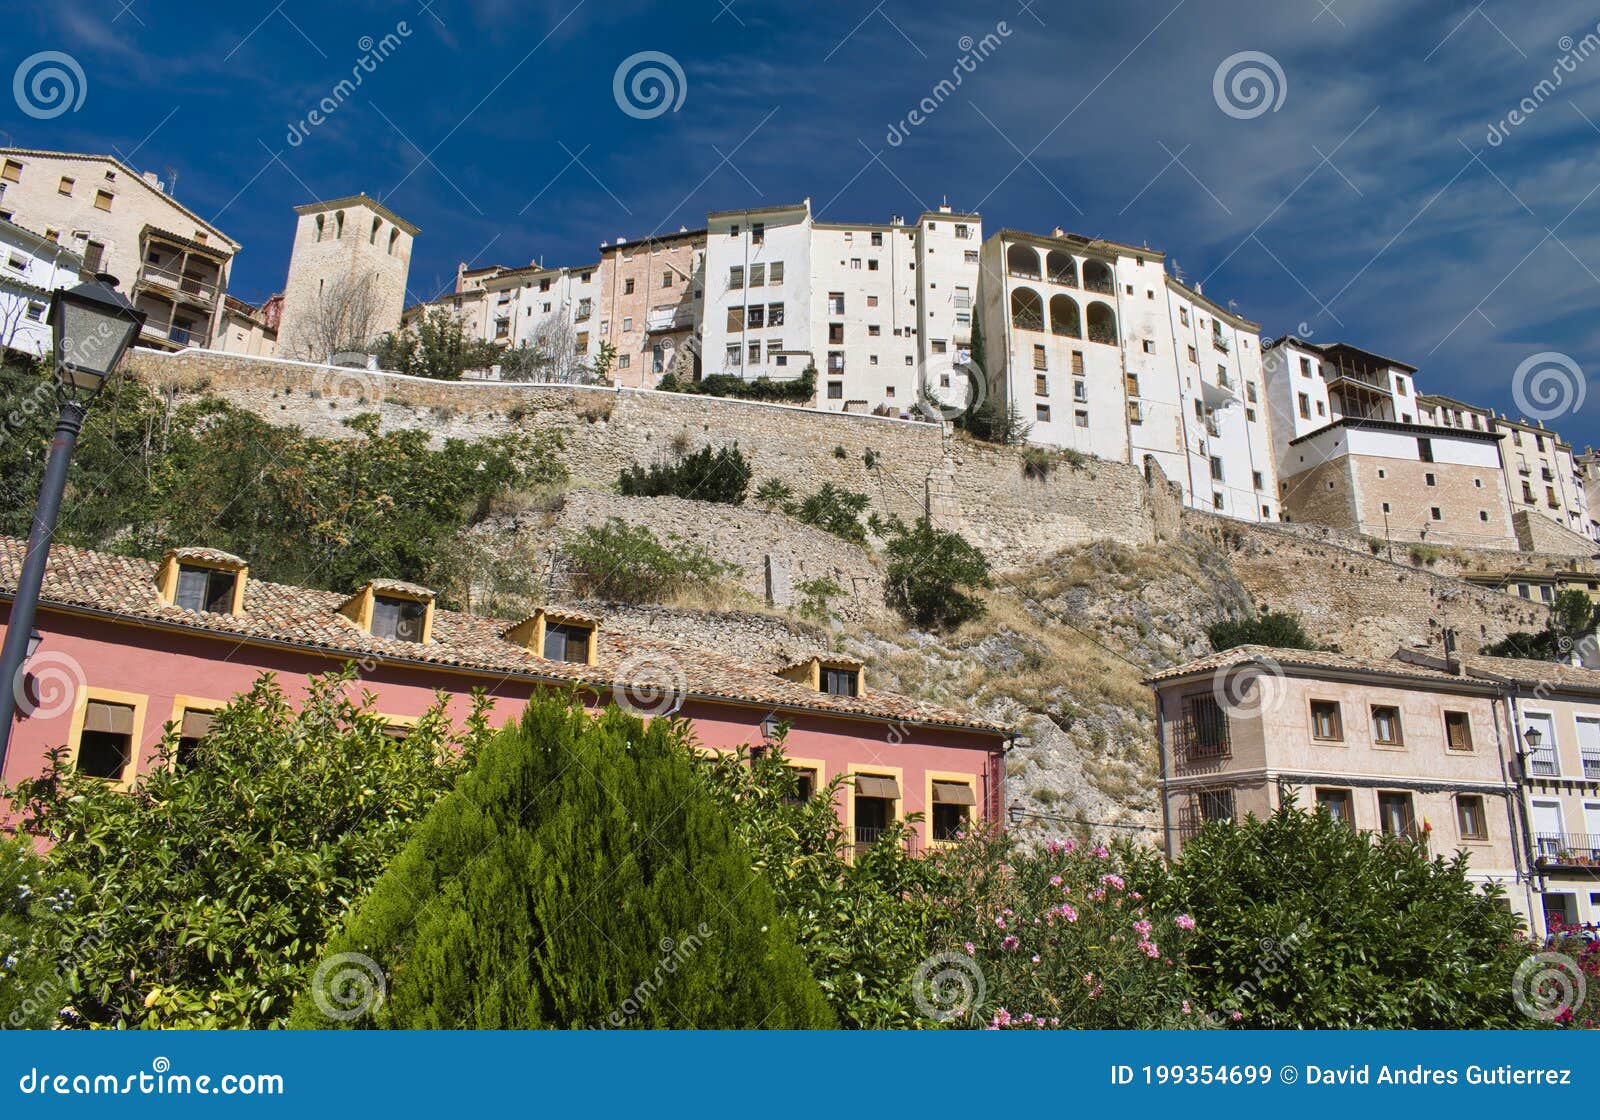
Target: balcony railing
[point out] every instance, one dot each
(172, 332)
(1220, 343)
(1591, 765)
(867, 837)
(200, 288)
(1572, 849)
(1542, 763)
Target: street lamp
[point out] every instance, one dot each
(93, 326)
(1016, 812)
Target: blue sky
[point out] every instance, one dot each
(1368, 204)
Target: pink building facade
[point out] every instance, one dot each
(130, 648)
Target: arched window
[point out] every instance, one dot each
(1064, 317)
(1061, 268)
(1097, 278)
(1023, 261)
(1027, 310)
(338, 225)
(320, 224)
(1102, 323)
(372, 238)
(394, 235)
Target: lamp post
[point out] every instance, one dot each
(92, 327)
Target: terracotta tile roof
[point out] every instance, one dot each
(1303, 659)
(206, 556)
(1532, 673)
(401, 587)
(124, 588)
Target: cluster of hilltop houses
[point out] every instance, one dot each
(1093, 345)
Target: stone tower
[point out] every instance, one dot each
(347, 277)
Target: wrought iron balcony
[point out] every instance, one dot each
(1572, 849)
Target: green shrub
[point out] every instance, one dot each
(933, 575)
(37, 945)
(626, 563)
(580, 876)
(1036, 463)
(1269, 628)
(815, 595)
(775, 494)
(705, 476)
(864, 921)
(1573, 617)
(799, 390)
(1306, 923)
(834, 510)
(208, 888)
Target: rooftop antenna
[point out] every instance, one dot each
(172, 182)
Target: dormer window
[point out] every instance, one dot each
(204, 580)
(567, 642)
(402, 619)
(205, 589)
(391, 609)
(834, 675)
(841, 682)
(557, 636)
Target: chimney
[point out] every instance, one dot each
(1452, 662)
(155, 181)
(944, 208)
(1058, 232)
(1199, 291)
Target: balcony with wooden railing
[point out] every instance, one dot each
(190, 287)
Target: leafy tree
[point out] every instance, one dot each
(605, 358)
(580, 876)
(36, 942)
(1306, 923)
(1573, 618)
(706, 475)
(209, 887)
(1269, 628)
(864, 921)
(437, 345)
(835, 510)
(327, 513)
(626, 563)
(933, 575)
(995, 423)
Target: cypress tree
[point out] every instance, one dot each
(580, 876)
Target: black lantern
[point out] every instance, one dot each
(93, 326)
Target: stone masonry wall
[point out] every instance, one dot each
(982, 490)
(1537, 533)
(1363, 603)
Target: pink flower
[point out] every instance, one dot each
(1236, 1016)
(1000, 921)
(1149, 949)
(1070, 846)
(1027, 1016)
(1097, 895)
(1067, 912)
(1112, 881)
(1054, 1022)
(1055, 880)
(1143, 928)
(1053, 846)
(1186, 1007)
(1100, 852)
(1002, 1018)
(1183, 921)
(970, 948)
(1010, 943)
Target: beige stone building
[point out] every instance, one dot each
(1541, 476)
(169, 261)
(347, 277)
(1405, 751)
(249, 330)
(1553, 717)
(647, 304)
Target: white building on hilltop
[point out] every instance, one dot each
(869, 306)
(1092, 344)
(32, 266)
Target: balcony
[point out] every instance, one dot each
(187, 286)
(1221, 343)
(1591, 765)
(867, 837)
(1573, 849)
(1200, 740)
(1542, 763)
